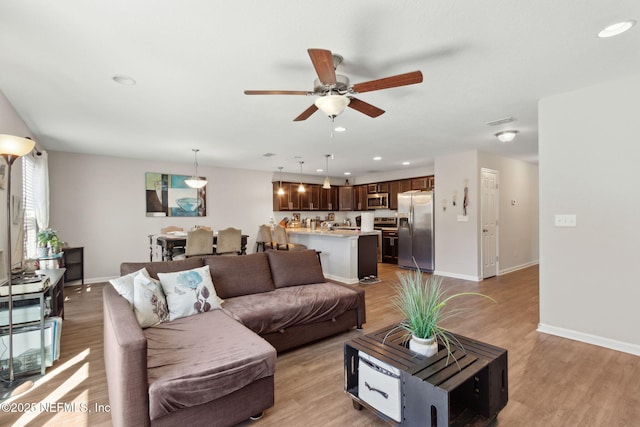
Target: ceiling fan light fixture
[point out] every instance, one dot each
(506, 136)
(332, 105)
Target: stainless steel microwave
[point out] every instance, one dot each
(378, 201)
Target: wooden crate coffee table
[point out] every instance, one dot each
(434, 391)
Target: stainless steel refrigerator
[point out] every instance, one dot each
(415, 230)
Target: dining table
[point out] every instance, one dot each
(168, 242)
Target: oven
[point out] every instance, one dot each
(389, 244)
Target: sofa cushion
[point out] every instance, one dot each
(293, 305)
(291, 268)
(161, 266)
(189, 292)
(242, 275)
(187, 367)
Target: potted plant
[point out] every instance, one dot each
(423, 303)
(48, 242)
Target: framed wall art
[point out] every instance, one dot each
(168, 195)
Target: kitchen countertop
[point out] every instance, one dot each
(333, 233)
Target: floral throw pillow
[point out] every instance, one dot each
(149, 303)
(189, 292)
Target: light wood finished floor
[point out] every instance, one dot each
(552, 381)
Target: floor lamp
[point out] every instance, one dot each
(12, 147)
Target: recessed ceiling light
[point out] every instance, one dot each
(340, 128)
(616, 29)
(124, 80)
(377, 158)
(406, 163)
(347, 173)
(318, 170)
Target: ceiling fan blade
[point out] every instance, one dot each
(323, 63)
(277, 92)
(306, 113)
(389, 82)
(365, 108)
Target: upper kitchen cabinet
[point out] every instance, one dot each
(289, 201)
(381, 187)
(360, 197)
(310, 199)
(423, 183)
(329, 199)
(345, 196)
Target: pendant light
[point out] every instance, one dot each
(280, 189)
(301, 187)
(195, 181)
(327, 183)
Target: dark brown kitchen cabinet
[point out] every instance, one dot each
(394, 189)
(360, 197)
(329, 199)
(345, 196)
(310, 199)
(405, 185)
(290, 200)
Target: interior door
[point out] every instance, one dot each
(489, 220)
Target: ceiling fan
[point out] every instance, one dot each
(334, 91)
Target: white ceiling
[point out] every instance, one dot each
(192, 60)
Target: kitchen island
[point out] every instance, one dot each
(346, 255)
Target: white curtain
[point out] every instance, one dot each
(41, 189)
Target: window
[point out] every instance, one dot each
(28, 203)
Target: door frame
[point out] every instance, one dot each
(497, 212)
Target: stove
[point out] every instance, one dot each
(385, 223)
(389, 241)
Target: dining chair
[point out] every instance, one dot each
(176, 252)
(282, 240)
(264, 239)
(199, 242)
(229, 242)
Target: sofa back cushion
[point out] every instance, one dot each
(291, 268)
(161, 266)
(240, 275)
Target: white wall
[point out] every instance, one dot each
(458, 244)
(99, 202)
(589, 153)
(518, 224)
(10, 124)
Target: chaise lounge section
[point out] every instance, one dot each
(217, 368)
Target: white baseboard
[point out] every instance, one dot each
(518, 267)
(457, 276)
(590, 339)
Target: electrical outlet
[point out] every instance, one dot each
(565, 220)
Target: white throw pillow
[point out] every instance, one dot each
(149, 303)
(189, 292)
(124, 284)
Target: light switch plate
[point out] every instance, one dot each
(565, 220)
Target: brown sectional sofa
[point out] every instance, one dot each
(216, 368)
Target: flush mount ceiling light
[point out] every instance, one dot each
(506, 136)
(124, 80)
(340, 129)
(332, 105)
(616, 29)
(195, 181)
(327, 182)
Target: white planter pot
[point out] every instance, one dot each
(427, 347)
